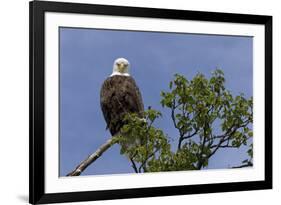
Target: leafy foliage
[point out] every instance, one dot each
(207, 116)
(140, 141)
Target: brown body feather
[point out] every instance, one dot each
(119, 95)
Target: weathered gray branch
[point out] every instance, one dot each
(93, 157)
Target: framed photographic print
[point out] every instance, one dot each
(140, 102)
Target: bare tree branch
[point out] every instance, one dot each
(93, 157)
(228, 146)
(249, 164)
(223, 139)
(134, 165)
(191, 135)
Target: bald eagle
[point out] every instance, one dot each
(119, 95)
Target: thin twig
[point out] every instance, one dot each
(189, 136)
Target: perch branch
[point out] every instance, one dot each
(93, 157)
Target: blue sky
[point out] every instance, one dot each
(86, 59)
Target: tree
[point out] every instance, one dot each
(207, 117)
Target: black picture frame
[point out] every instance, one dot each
(37, 10)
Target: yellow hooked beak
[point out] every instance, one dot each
(122, 67)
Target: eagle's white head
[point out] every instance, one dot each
(121, 66)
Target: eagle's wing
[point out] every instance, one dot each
(133, 99)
